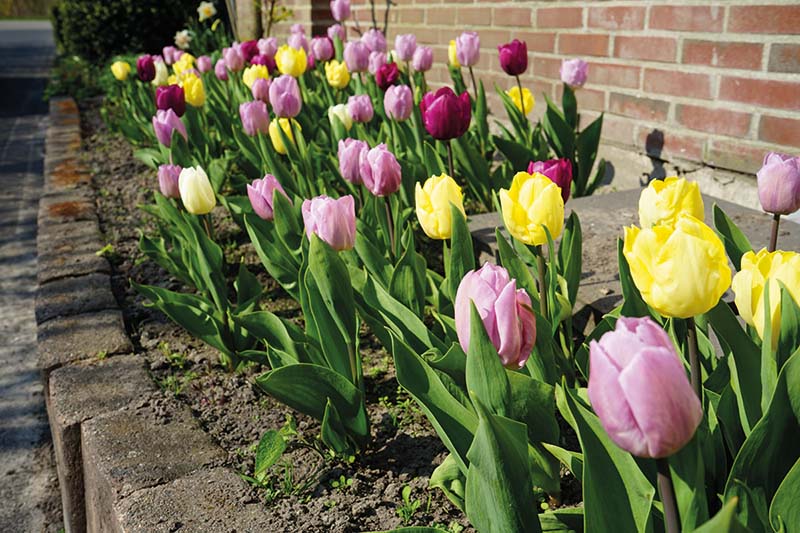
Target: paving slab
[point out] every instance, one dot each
(73, 296)
(59, 207)
(69, 257)
(79, 392)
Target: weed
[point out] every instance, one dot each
(409, 507)
(343, 483)
(102, 354)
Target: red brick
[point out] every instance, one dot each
(583, 44)
(559, 17)
(764, 19)
(687, 18)
(779, 130)
(647, 48)
(490, 38)
(411, 15)
(537, 41)
(547, 67)
(784, 58)
(617, 18)
(617, 75)
(723, 54)
(440, 15)
(587, 98)
(769, 93)
(636, 107)
(667, 144)
(509, 16)
(618, 129)
(677, 83)
(719, 121)
(472, 16)
(734, 155)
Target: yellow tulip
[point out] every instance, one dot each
(120, 70)
(291, 61)
(275, 136)
(681, 269)
(533, 203)
(433, 201)
(748, 287)
(451, 55)
(197, 194)
(185, 62)
(194, 91)
(337, 74)
(162, 74)
(527, 99)
(663, 200)
(252, 73)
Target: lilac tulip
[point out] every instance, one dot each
(779, 184)
(164, 123)
(204, 64)
(297, 28)
(340, 9)
(558, 170)
(171, 97)
(445, 115)
(146, 68)
(298, 41)
(376, 61)
(375, 40)
(398, 102)
(170, 54)
(380, 171)
(234, 59)
(386, 75)
(322, 48)
(262, 193)
(337, 30)
(423, 59)
(267, 46)
(350, 151)
(333, 221)
(405, 45)
(505, 311)
(574, 72)
(168, 180)
(284, 96)
(359, 106)
(221, 70)
(514, 57)
(468, 48)
(639, 389)
(356, 55)
(255, 117)
(260, 89)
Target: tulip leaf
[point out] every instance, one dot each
(472, 165)
(570, 254)
(282, 266)
(462, 256)
(736, 243)
(789, 335)
(534, 403)
(688, 478)
(248, 288)
(287, 221)
(269, 450)
(769, 364)
(569, 520)
(278, 333)
(481, 115)
(586, 146)
(434, 165)
(486, 377)
(559, 135)
(149, 156)
(519, 155)
(572, 460)
(369, 254)
(449, 478)
(453, 363)
(332, 430)
(724, 521)
(517, 269)
(633, 304)
(407, 283)
(784, 508)
(570, 106)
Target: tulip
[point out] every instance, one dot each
(298, 41)
(284, 96)
(339, 112)
(340, 9)
(376, 61)
(681, 270)
(287, 127)
(356, 55)
(255, 117)
(333, 221)
(186, 62)
(337, 30)
(220, 70)
(574, 72)
(162, 75)
(194, 91)
(248, 49)
(234, 59)
(168, 180)
(779, 184)
(405, 45)
(380, 171)
(322, 48)
(359, 106)
(252, 73)
(558, 170)
(170, 54)
(266, 61)
(171, 97)
(297, 28)
(291, 61)
(445, 115)
(532, 204)
(468, 48)
(337, 74)
(197, 194)
(452, 55)
(183, 39)
(146, 68)
(398, 101)
(311, 63)
(433, 201)
(423, 59)
(261, 194)
(267, 46)
(120, 70)
(639, 390)
(514, 57)
(260, 89)
(664, 200)
(205, 11)
(375, 40)
(164, 123)
(505, 311)
(524, 104)
(350, 154)
(386, 76)
(204, 64)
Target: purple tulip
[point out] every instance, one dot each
(350, 151)
(423, 59)
(170, 54)
(376, 61)
(445, 115)
(267, 46)
(405, 45)
(220, 70)
(234, 59)
(359, 107)
(337, 30)
(468, 48)
(310, 62)
(558, 170)
(574, 72)
(146, 68)
(297, 28)
(375, 40)
(380, 171)
(505, 311)
(255, 117)
(284, 96)
(514, 57)
(386, 76)
(164, 123)
(779, 184)
(639, 389)
(298, 41)
(261, 193)
(171, 97)
(322, 48)
(267, 61)
(333, 221)
(249, 49)
(340, 9)
(168, 180)
(356, 56)
(398, 102)
(204, 64)
(260, 89)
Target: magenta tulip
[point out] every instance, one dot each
(375, 40)
(405, 45)
(356, 56)
(423, 59)
(350, 151)
(171, 97)
(376, 61)
(333, 221)
(255, 117)
(445, 115)
(558, 170)
(261, 194)
(260, 89)
(249, 49)
(468, 48)
(284, 96)
(779, 184)
(514, 57)
(340, 9)
(380, 171)
(337, 30)
(264, 60)
(146, 68)
(168, 180)
(359, 107)
(574, 72)
(386, 76)
(322, 48)
(164, 123)
(398, 102)
(220, 70)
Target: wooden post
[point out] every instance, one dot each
(248, 20)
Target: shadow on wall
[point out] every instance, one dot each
(654, 144)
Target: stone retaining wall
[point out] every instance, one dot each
(120, 469)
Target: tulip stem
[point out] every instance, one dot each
(542, 287)
(474, 85)
(424, 84)
(667, 492)
(207, 224)
(694, 359)
(773, 238)
(521, 99)
(391, 225)
(450, 159)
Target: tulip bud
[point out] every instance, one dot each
(445, 115)
(681, 270)
(197, 194)
(333, 221)
(779, 184)
(423, 59)
(574, 72)
(639, 389)
(337, 30)
(531, 204)
(663, 200)
(164, 123)
(359, 106)
(514, 57)
(506, 313)
(168, 180)
(468, 48)
(558, 170)
(254, 72)
(322, 48)
(337, 74)
(194, 90)
(162, 74)
(340, 9)
(376, 61)
(204, 64)
(405, 45)
(350, 153)
(339, 112)
(255, 117)
(261, 194)
(398, 101)
(433, 201)
(525, 100)
(291, 61)
(380, 171)
(375, 40)
(452, 54)
(386, 76)
(146, 68)
(120, 70)
(267, 46)
(356, 55)
(275, 135)
(220, 70)
(284, 96)
(260, 89)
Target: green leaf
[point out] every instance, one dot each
(534, 403)
(408, 282)
(569, 520)
(332, 430)
(570, 255)
(586, 145)
(560, 136)
(688, 478)
(434, 165)
(486, 377)
(572, 460)
(789, 335)
(784, 509)
(736, 243)
(518, 154)
(269, 450)
(280, 264)
(449, 478)
(462, 257)
(570, 105)
(633, 305)
(248, 288)
(517, 269)
(724, 521)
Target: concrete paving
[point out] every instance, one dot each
(26, 472)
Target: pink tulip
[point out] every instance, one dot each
(168, 180)
(340, 9)
(376, 61)
(574, 72)
(164, 123)
(337, 30)
(284, 96)
(350, 151)
(375, 40)
(405, 45)
(261, 194)
(204, 64)
(359, 106)
(380, 171)
(255, 117)
(333, 221)
(234, 59)
(398, 102)
(322, 48)
(267, 46)
(468, 48)
(779, 183)
(423, 59)
(260, 89)
(220, 70)
(356, 56)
